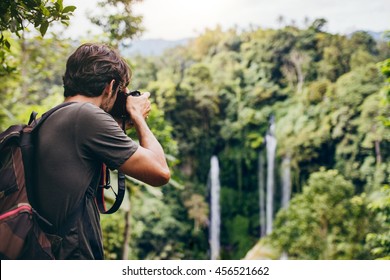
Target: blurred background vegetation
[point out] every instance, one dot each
(329, 95)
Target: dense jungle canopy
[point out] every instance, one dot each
(328, 93)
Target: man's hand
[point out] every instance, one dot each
(138, 107)
(148, 163)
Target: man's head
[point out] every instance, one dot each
(91, 68)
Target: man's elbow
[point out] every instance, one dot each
(163, 178)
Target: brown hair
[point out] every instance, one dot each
(91, 67)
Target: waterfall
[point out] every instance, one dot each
(261, 184)
(215, 215)
(271, 148)
(286, 180)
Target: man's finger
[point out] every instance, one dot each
(147, 94)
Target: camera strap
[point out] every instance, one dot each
(105, 172)
(106, 184)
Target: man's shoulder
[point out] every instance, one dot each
(91, 117)
(82, 109)
(78, 114)
(92, 112)
(85, 106)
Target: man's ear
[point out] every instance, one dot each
(109, 87)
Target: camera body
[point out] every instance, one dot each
(119, 111)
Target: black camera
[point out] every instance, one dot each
(119, 111)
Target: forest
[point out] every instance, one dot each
(296, 119)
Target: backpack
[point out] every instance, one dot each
(21, 234)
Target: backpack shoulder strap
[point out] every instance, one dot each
(36, 123)
(27, 144)
(33, 118)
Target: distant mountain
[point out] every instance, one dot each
(151, 47)
(378, 36)
(156, 47)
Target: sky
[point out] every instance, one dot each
(177, 19)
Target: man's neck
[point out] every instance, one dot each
(85, 99)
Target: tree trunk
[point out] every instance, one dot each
(126, 239)
(261, 185)
(286, 180)
(378, 152)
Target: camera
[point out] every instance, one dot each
(119, 111)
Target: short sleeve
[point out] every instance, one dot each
(100, 137)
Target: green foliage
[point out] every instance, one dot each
(40, 13)
(335, 56)
(118, 21)
(385, 69)
(155, 229)
(325, 221)
(379, 241)
(363, 41)
(219, 92)
(38, 83)
(238, 231)
(16, 15)
(113, 227)
(215, 96)
(198, 210)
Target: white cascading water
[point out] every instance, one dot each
(271, 149)
(215, 213)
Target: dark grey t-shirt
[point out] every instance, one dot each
(72, 144)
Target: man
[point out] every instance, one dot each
(76, 139)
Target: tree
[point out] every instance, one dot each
(37, 85)
(379, 241)
(300, 61)
(118, 21)
(198, 211)
(217, 94)
(318, 24)
(15, 16)
(325, 221)
(363, 40)
(349, 113)
(385, 69)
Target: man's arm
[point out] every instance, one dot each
(148, 163)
